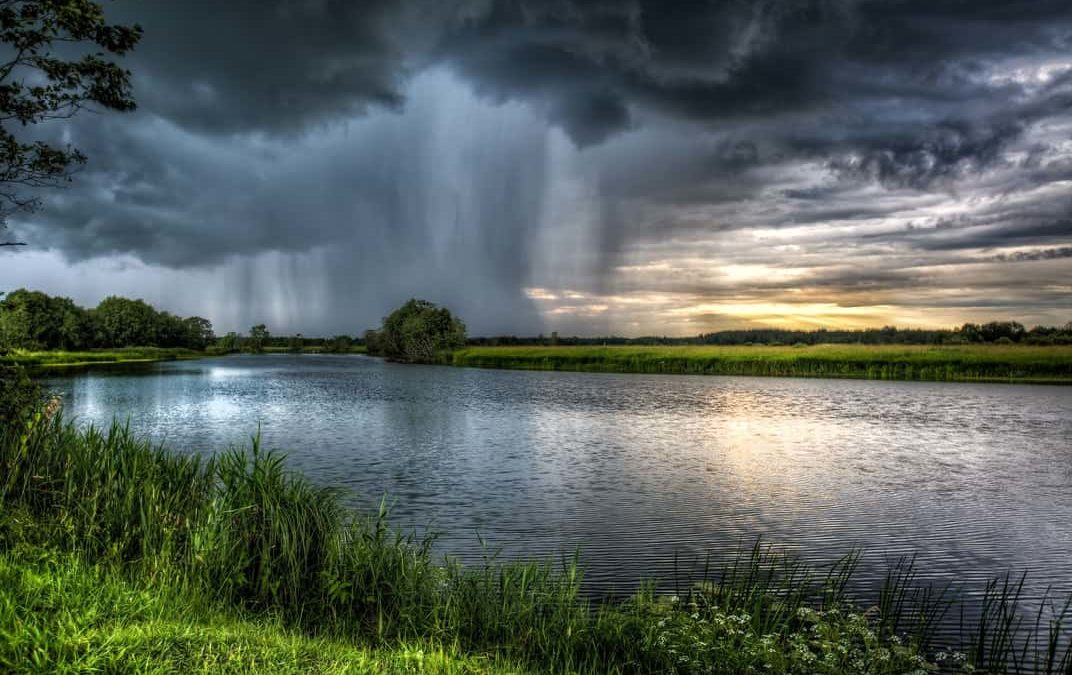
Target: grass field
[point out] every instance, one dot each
(59, 358)
(62, 359)
(119, 556)
(1003, 363)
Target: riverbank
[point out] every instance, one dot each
(234, 554)
(59, 613)
(953, 363)
(55, 359)
(60, 358)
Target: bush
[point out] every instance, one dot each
(417, 332)
(18, 394)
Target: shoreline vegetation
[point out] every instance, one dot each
(1027, 364)
(120, 556)
(53, 359)
(946, 363)
(43, 333)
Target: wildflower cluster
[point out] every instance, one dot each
(691, 638)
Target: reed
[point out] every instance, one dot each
(238, 535)
(998, 363)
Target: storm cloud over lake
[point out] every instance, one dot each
(587, 167)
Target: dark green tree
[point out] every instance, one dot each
(19, 394)
(340, 344)
(56, 63)
(122, 322)
(34, 320)
(419, 332)
(231, 342)
(258, 337)
(198, 332)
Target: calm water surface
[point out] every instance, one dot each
(646, 474)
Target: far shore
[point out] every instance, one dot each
(58, 359)
(938, 363)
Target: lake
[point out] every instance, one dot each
(646, 474)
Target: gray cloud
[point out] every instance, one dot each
(817, 151)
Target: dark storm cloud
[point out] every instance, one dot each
(407, 144)
(719, 62)
(1044, 254)
(268, 65)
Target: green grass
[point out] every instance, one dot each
(64, 359)
(120, 556)
(59, 614)
(60, 358)
(999, 363)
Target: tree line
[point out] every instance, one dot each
(260, 339)
(997, 332)
(37, 321)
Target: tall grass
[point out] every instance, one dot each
(59, 358)
(887, 362)
(243, 532)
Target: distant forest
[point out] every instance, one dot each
(1001, 332)
(34, 320)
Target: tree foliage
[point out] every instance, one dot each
(258, 336)
(19, 394)
(417, 332)
(37, 321)
(37, 85)
(993, 331)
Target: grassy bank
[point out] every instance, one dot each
(120, 556)
(1005, 363)
(59, 614)
(60, 358)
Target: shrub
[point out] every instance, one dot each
(418, 332)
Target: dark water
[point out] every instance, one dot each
(646, 474)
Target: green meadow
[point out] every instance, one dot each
(59, 358)
(62, 359)
(952, 363)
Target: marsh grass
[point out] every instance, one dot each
(59, 358)
(887, 362)
(238, 535)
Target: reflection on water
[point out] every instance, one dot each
(635, 469)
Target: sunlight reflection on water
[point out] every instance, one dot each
(646, 474)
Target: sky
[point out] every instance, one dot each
(644, 167)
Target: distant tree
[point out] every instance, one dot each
(295, 343)
(258, 337)
(122, 322)
(231, 342)
(418, 332)
(995, 330)
(45, 77)
(35, 320)
(27, 321)
(340, 344)
(198, 332)
(169, 330)
(374, 342)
